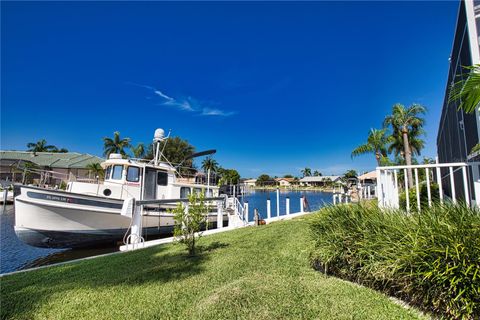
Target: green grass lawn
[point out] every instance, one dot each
(251, 273)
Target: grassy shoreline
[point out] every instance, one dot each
(250, 273)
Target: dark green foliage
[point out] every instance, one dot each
(431, 259)
(434, 192)
(228, 176)
(262, 179)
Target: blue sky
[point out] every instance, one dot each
(274, 87)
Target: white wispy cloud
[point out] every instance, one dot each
(161, 94)
(216, 112)
(185, 104)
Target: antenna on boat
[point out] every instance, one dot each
(158, 137)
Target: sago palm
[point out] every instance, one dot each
(376, 143)
(405, 119)
(115, 145)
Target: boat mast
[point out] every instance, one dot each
(158, 137)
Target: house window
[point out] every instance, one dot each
(117, 172)
(133, 174)
(162, 178)
(184, 192)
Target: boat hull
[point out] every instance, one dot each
(57, 219)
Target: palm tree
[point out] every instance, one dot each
(376, 143)
(416, 143)
(307, 172)
(317, 173)
(96, 169)
(115, 145)
(209, 164)
(138, 151)
(467, 91)
(41, 146)
(405, 119)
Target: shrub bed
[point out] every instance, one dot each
(430, 259)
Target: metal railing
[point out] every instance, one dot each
(134, 209)
(455, 181)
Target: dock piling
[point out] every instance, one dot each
(287, 205)
(219, 215)
(269, 209)
(278, 202)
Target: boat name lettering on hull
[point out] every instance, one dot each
(81, 201)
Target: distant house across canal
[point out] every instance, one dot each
(319, 181)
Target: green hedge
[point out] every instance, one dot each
(430, 259)
(412, 192)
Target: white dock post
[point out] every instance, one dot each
(287, 204)
(245, 211)
(339, 198)
(269, 209)
(5, 196)
(136, 230)
(219, 215)
(368, 192)
(334, 199)
(301, 204)
(476, 183)
(278, 202)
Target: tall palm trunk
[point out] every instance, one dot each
(408, 156)
(377, 156)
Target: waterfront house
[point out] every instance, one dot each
(250, 182)
(50, 168)
(284, 182)
(319, 181)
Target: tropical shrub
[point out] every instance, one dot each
(430, 259)
(412, 192)
(189, 220)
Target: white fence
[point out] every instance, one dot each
(456, 182)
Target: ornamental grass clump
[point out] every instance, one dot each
(431, 258)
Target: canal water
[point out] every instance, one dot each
(16, 255)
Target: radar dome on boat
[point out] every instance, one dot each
(115, 156)
(159, 135)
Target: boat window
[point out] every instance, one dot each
(162, 178)
(107, 172)
(198, 191)
(117, 172)
(184, 192)
(133, 174)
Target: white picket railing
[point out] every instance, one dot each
(448, 176)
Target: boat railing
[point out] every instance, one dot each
(134, 209)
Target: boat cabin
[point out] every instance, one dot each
(126, 178)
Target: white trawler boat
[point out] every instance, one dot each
(90, 213)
